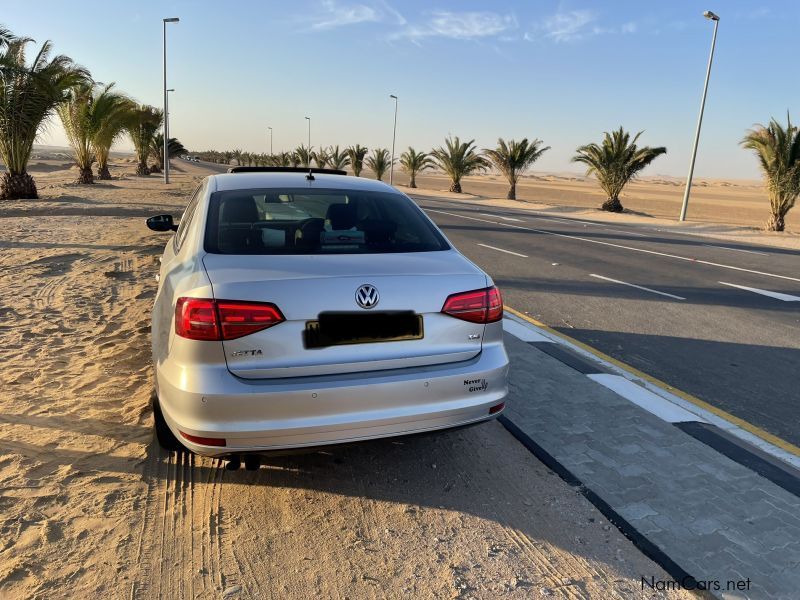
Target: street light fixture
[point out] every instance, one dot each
(270, 139)
(394, 136)
(166, 102)
(711, 16)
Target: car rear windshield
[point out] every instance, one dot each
(302, 221)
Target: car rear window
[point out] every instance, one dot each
(303, 221)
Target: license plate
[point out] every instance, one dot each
(337, 329)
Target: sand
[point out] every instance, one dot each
(740, 203)
(90, 507)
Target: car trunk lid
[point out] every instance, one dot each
(327, 332)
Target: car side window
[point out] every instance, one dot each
(186, 219)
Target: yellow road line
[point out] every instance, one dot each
(741, 423)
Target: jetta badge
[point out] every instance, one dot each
(367, 296)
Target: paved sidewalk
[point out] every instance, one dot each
(716, 519)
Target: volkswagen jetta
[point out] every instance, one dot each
(298, 309)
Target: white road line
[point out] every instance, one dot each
(736, 249)
(652, 403)
(526, 334)
(506, 251)
(654, 252)
(569, 221)
(573, 221)
(638, 287)
(776, 295)
(501, 217)
(625, 232)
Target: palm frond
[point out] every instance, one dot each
(378, 162)
(513, 158)
(356, 155)
(777, 149)
(458, 159)
(615, 162)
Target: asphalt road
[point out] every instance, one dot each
(687, 323)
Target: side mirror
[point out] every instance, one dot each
(162, 223)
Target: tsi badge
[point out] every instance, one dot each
(476, 385)
(238, 353)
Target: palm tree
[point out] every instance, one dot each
(778, 152)
(321, 157)
(29, 94)
(338, 159)
(88, 110)
(142, 126)
(458, 159)
(282, 159)
(110, 128)
(76, 113)
(356, 155)
(413, 162)
(615, 162)
(174, 147)
(378, 162)
(304, 155)
(512, 158)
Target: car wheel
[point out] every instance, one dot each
(166, 439)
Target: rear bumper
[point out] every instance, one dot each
(263, 415)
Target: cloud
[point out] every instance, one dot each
(335, 15)
(459, 26)
(575, 25)
(568, 26)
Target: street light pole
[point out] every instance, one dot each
(394, 136)
(166, 102)
(270, 139)
(166, 130)
(309, 133)
(708, 15)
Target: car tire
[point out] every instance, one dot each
(166, 439)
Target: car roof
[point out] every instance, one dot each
(249, 181)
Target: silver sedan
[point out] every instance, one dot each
(298, 309)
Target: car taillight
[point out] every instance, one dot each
(243, 318)
(203, 319)
(476, 306)
(196, 319)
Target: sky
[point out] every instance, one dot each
(562, 71)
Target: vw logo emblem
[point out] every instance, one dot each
(367, 296)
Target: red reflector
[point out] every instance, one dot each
(477, 306)
(204, 440)
(203, 319)
(497, 408)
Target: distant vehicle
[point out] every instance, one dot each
(196, 158)
(298, 310)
